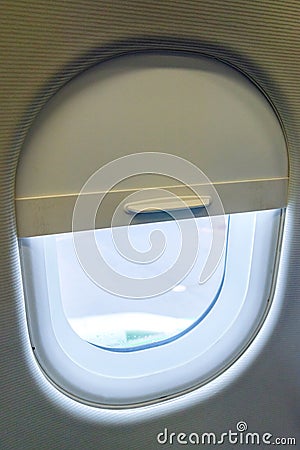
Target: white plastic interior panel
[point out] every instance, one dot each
(107, 350)
(197, 108)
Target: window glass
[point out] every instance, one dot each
(124, 324)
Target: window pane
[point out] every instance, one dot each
(125, 324)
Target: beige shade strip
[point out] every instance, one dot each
(45, 215)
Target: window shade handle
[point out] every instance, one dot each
(155, 205)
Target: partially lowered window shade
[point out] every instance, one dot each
(194, 107)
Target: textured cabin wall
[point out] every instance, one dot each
(42, 45)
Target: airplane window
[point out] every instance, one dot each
(149, 234)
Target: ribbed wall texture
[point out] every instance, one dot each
(42, 45)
